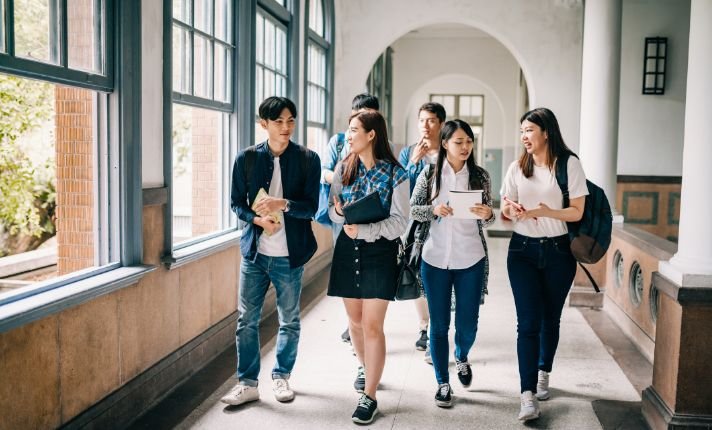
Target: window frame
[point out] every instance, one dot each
(61, 73)
(118, 165)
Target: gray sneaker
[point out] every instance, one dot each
(360, 382)
(241, 394)
(530, 407)
(427, 358)
(542, 386)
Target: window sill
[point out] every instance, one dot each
(202, 249)
(33, 308)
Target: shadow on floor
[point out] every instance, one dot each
(615, 415)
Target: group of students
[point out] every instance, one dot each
(278, 240)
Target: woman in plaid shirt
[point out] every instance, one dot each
(364, 270)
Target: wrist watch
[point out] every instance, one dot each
(286, 205)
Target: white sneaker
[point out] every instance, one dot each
(281, 390)
(241, 394)
(530, 407)
(542, 386)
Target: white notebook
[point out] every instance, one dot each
(462, 201)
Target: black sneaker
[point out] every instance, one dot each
(464, 373)
(422, 341)
(365, 410)
(443, 397)
(360, 382)
(345, 336)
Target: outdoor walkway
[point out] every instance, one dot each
(584, 372)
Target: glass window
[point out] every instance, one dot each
(316, 17)
(86, 43)
(54, 205)
(37, 30)
(271, 76)
(202, 53)
(203, 57)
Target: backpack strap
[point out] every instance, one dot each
(250, 160)
(340, 142)
(562, 176)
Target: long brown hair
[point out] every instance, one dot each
(555, 146)
(370, 120)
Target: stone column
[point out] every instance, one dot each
(682, 380)
(600, 94)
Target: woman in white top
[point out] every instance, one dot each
(540, 265)
(455, 252)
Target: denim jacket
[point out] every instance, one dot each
(300, 187)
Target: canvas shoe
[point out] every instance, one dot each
(443, 397)
(530, 407)
(281, 390)
(241, 394)
(464, 373)
(542, 386)
(422, 343)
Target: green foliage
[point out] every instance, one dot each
(27, 191)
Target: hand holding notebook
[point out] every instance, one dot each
(275, 216)
(365, 210)
(462, 201)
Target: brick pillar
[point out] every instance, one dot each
(75, 178)
(205, 129)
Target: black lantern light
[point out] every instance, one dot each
(654, 65)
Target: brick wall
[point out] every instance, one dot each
(75, 179)
(205, 129)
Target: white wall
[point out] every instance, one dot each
(545, 37)
(478, 65)
(651, 127)
(152, 93)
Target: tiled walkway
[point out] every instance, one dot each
(584, 372)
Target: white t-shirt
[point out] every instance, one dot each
(453, 243)
(542, 188)
(275, 245)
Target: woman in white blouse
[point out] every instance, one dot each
(455, 252)
(539, 262)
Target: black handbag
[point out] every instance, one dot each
(408, 285)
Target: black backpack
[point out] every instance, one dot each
(591, 236)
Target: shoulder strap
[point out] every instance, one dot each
(562, 176)
(340, 141)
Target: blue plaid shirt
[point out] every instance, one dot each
(383, 177)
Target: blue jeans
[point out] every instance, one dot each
(541, 271)
(254, 281)
(438, 285)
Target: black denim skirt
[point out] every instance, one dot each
(364, 270)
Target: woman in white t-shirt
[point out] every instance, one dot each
(539, 262)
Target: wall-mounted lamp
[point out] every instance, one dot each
(654, 62)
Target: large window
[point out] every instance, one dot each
(272, 56)
(59, 215)
(380, 83)
(203, 63)
(317, 64)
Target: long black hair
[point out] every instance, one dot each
(370, 120)
(446, 132)
(546, 120)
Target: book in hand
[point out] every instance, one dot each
(276, 216)
(366, 210)
(462, 201)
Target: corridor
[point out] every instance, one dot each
(584, 372)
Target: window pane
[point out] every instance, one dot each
(317, 139)
(204, 15)
(269, 44)
(269, 84)
(199, 145)
(259, 38)
(223, 20)
(222, 65)
(48, 215)
(316, 17)
(181, 60)
(181, 10)
(259, 86)
(202, 66)
(283, 49)
(86, 43)
(36, 30)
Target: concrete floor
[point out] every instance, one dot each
(589, 388)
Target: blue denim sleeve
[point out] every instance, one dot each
(413, 170)
(239, 192)
(306, 208)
